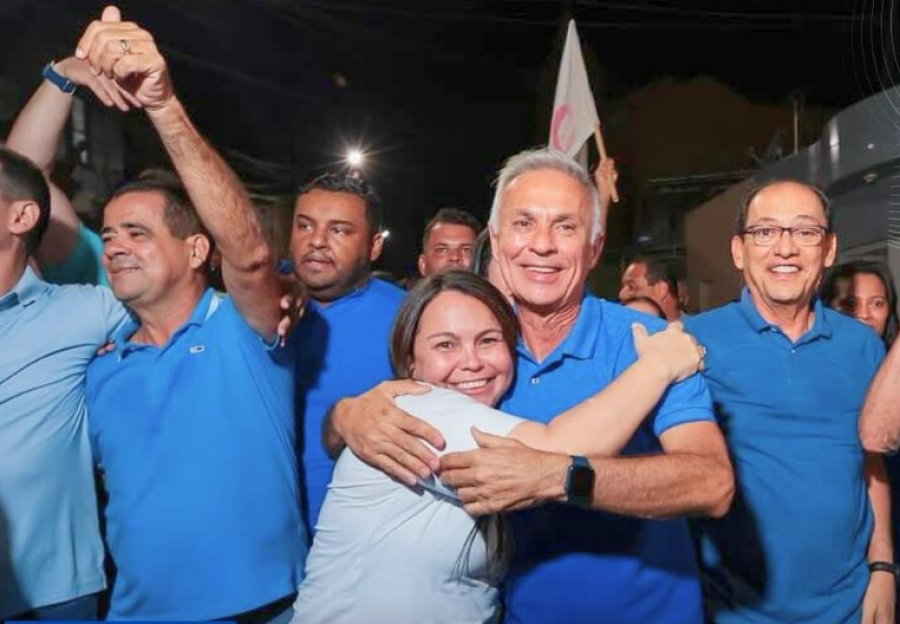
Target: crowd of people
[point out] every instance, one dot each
(497, 444)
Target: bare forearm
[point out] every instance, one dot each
(226, 211)
(215, 190)
(879, 422)
(604, 423)
(662, 486)
(881, 547)
(38, 128)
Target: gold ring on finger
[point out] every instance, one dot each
(126, 45)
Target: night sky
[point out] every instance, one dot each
(439, 93)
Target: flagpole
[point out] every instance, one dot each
(601, 150)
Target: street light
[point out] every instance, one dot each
(355, 158)
(385, 234)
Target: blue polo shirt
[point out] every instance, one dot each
(793, 547)
(573, 565)
(196, 443)
(342, 350)
(50, 547)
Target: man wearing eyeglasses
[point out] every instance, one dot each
(807, 538)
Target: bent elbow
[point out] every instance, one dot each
(874, 441)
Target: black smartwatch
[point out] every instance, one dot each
(885, 566)
(580, 482)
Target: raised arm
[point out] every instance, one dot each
(128, 54)
(879, 422)
(604, 423)
(36, 134)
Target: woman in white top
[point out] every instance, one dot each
(390, 554)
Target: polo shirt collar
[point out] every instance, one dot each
(581, 341)
(820, 329)
(197, 317)
(357, 292)
(27, 289)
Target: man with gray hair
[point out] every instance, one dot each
(572, 562)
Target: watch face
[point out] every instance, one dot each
(582, 481)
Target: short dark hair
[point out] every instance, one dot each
(179, 213)
(353, 184)
(455, 216)
(659, 270)
(648, 301)
(847, 271)
(22, 180)
(744, 206)
(406, 323)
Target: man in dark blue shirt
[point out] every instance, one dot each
(341, 343)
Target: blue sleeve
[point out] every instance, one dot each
(83, 266)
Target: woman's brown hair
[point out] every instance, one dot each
(406, 323)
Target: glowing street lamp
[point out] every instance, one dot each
(385, 234)
(355, 158)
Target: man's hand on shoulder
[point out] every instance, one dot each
(383, 435)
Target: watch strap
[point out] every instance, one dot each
(885, 566)
(54, 77)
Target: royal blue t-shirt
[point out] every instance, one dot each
(793, 546)
(342, 350)
(196, 443)
(572, 565)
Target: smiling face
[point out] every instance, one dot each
(543, 240)
(146, 264)
(785, 274)
(459, 345)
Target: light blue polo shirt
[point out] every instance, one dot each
(195, 440)
(793, 547)
(50, 547)
(83, 265)
(573, 565)
(342, 350)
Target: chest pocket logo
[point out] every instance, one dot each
(197, 349)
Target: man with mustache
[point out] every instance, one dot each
(342, 340)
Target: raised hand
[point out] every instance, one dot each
(605, 177)
(673, 351)
(106, 89)
(126, 53)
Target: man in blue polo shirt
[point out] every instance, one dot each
(574, 564)
(342, 340)
(788, 377)
(191, 418)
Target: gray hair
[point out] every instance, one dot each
(545, 158)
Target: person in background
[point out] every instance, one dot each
(864, 290)
(342, 340)
(645, 305)
(448, 241)
(655, 279)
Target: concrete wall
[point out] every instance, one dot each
(711, 276)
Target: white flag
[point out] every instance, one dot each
(574, 111)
